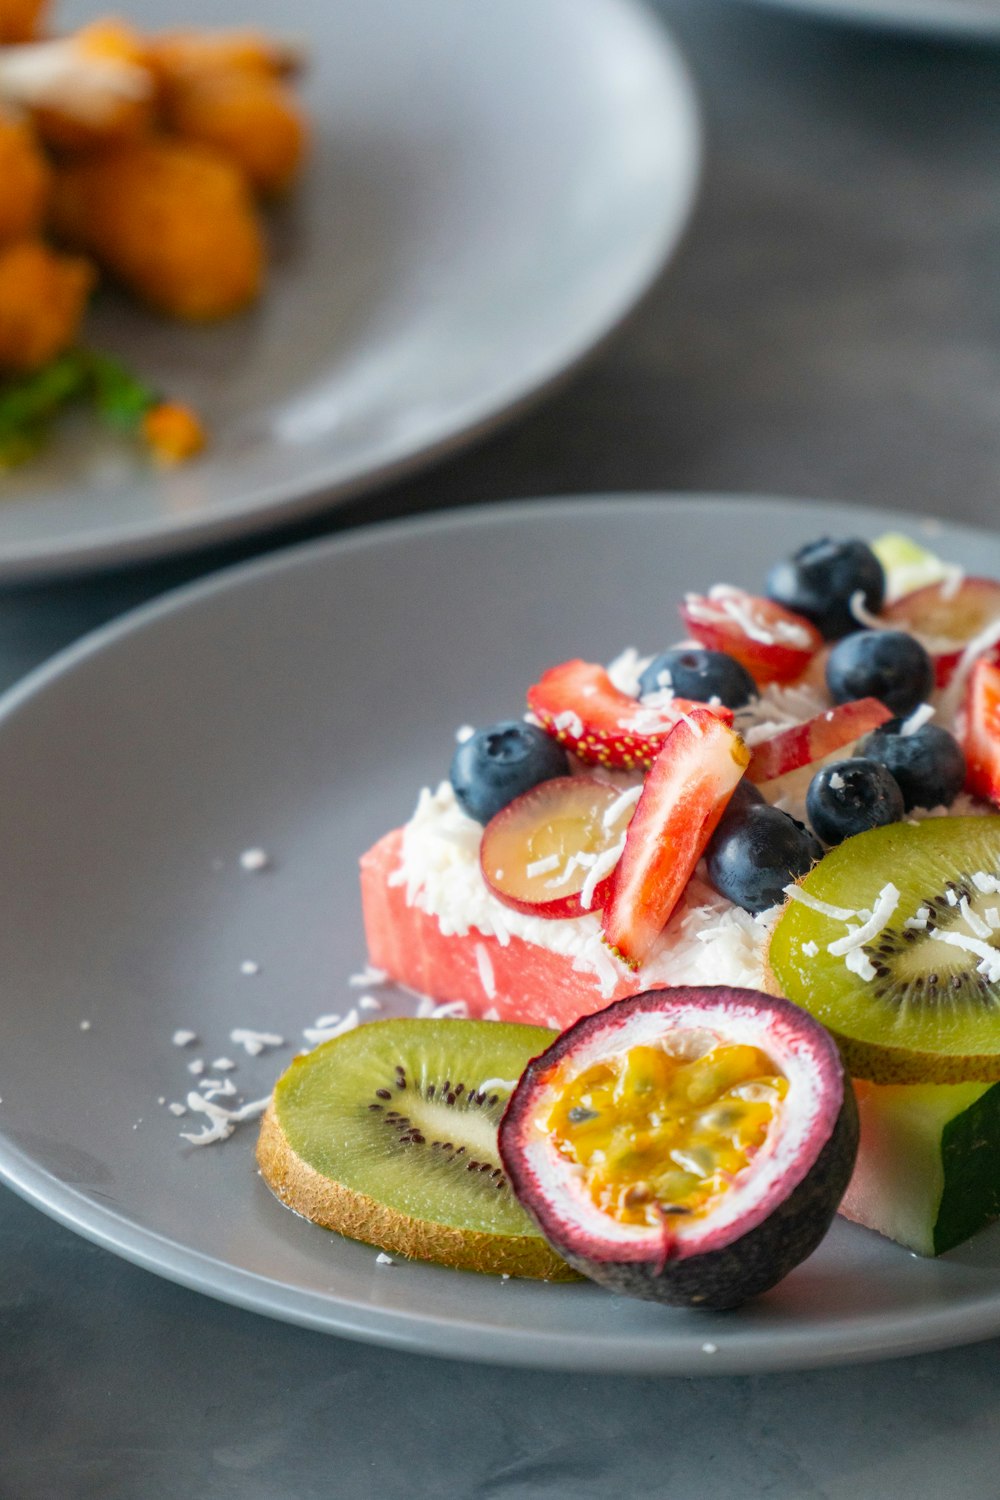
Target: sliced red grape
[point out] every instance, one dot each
(550, 852)
(946, 618)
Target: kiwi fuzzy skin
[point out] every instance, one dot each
(333, 1206)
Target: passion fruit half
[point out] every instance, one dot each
(687, 1146)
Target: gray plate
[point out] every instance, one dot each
(968, 19)
(492, 188)
(297, 705)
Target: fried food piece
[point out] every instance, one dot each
(225, 88)
(249, 117)
(173, 433)
(21, 20)
(173, 220)
(42, 299)
(93, 88)
(25, 180)
(177, 54)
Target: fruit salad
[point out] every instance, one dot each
(727, 922)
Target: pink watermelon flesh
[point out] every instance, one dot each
(529, 983)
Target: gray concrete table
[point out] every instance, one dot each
(830, 330)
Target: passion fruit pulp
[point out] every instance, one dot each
(687, 1146)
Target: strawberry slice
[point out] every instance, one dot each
(816, 738)
(683, 798)
(946, 618)
(551, 851)
(580, 706)
(981, 739)
(773, 643)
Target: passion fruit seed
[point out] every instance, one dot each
(655, 1135)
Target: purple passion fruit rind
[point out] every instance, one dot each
(776, 1211)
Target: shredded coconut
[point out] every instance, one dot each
(628, 798)
(221, 1121)
(626, 670)
(599, 870)
(825, 909)
(485, 967)
(989, 956)
(249, 967)
(541, 866)
(254, 859)
(368, 1002)
(254, 1042)
(463, 733)
(977, 926)
(223, 1065)
(810, 949)
(314, 1035)
(197, 1066)
(382, 1259)
(888, 900)
(368, 978)
(498, 1083)
(837, 782)
(182, 1038)
(920, 716)
(222, 1088)
(427, 1010)
(571, 721)
(859, 963)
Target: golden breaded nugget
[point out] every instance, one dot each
(176, 54)
(113, 95)
(21, 20)
(248, 116)
(25, 180)
(173, 220)
(42, 299)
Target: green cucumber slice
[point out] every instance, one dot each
(928, 1170)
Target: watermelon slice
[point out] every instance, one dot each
(926, 1174)
(518, 981)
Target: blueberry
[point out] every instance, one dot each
(819, 580)
(885, 664)
(928, 765)
(752, 858)
(497, 764)
(851, 797)
(694, 672)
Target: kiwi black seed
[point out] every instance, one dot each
(388, 1135)
(921, 1010)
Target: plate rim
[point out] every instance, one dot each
(891, 16)
(858, 1339)
(292, 501)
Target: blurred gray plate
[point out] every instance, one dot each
(297, 705)
(491, 189)
(955, 18)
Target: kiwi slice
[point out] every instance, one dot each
(916, 1003)
(388, 1134)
